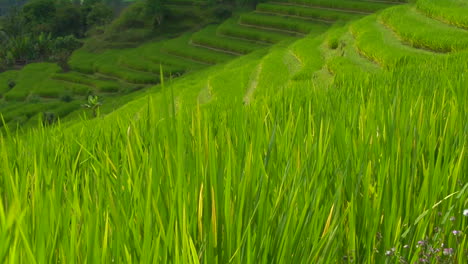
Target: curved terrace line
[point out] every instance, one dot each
(289, 32)
(295, 16)
(208, 47)
(324, 8)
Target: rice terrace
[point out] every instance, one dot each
(234, 131)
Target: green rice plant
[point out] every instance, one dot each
(305, 175)
(448, 11)
(344, 58)
(309, 54)
(51, 88)
(223, 87)
(423, 32)
(142, 64)
(181, 47)
(22, 112)
(277, 72)
(17, 95)
(351, 5)
(7, 81)
(78, 78)
(82, 61)
(282, 23)
(232, 29)
(128, 75)
(152, 51)
(305, 12)
(379, 44)
(28, 78)
(371, 170)
(65, 109)
(208, 37)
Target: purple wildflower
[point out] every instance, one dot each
(456, 232)
(465, 212)
(452, 218)
(405, 246)
(421, 243)
(423, 260)
(448, 251)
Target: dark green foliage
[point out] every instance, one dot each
(39, 14)
(100, 14)
(156, 10)
(26, 48)
(222, 12)
(44, 30)
(68, 21)
(48, 118)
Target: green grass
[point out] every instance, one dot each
(449, 11)
(345, 58)
(304, 175)
(283, 23)
(233, 29)
(28, 79)
(367, 168)
(20, 114)
(108, 63)
(313, 13)
(308, 53)
(377, 43)
(142, 64)
(152, 52)
(181, 47)
(96, 84)
(5, 79)
(362, 6)
(129, 75)
(208, 37)
(423, 32)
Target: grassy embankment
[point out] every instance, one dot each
(114, 74)
(347, 150)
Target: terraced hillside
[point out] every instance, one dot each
(346, 147)
(115, 75)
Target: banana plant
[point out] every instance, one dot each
(93, 104)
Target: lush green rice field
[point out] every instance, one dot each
(346, 147)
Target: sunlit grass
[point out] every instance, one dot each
(307, 175)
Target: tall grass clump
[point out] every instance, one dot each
(282, 23)
(208, 37)
(378, 43)
(371, 170)
(232, 29)
(181, 47)
(312, 13)
(423, 32)
(449, 11)
(352, 5)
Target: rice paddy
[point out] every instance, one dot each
(115, 72)
(345, 145)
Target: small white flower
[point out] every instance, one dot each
(465, 212)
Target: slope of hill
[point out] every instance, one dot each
(117, 72)
(346, 146)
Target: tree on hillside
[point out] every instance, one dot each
(156, 10)
(99, 14)
(39, 15)
(13, 24)
(68, 20)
